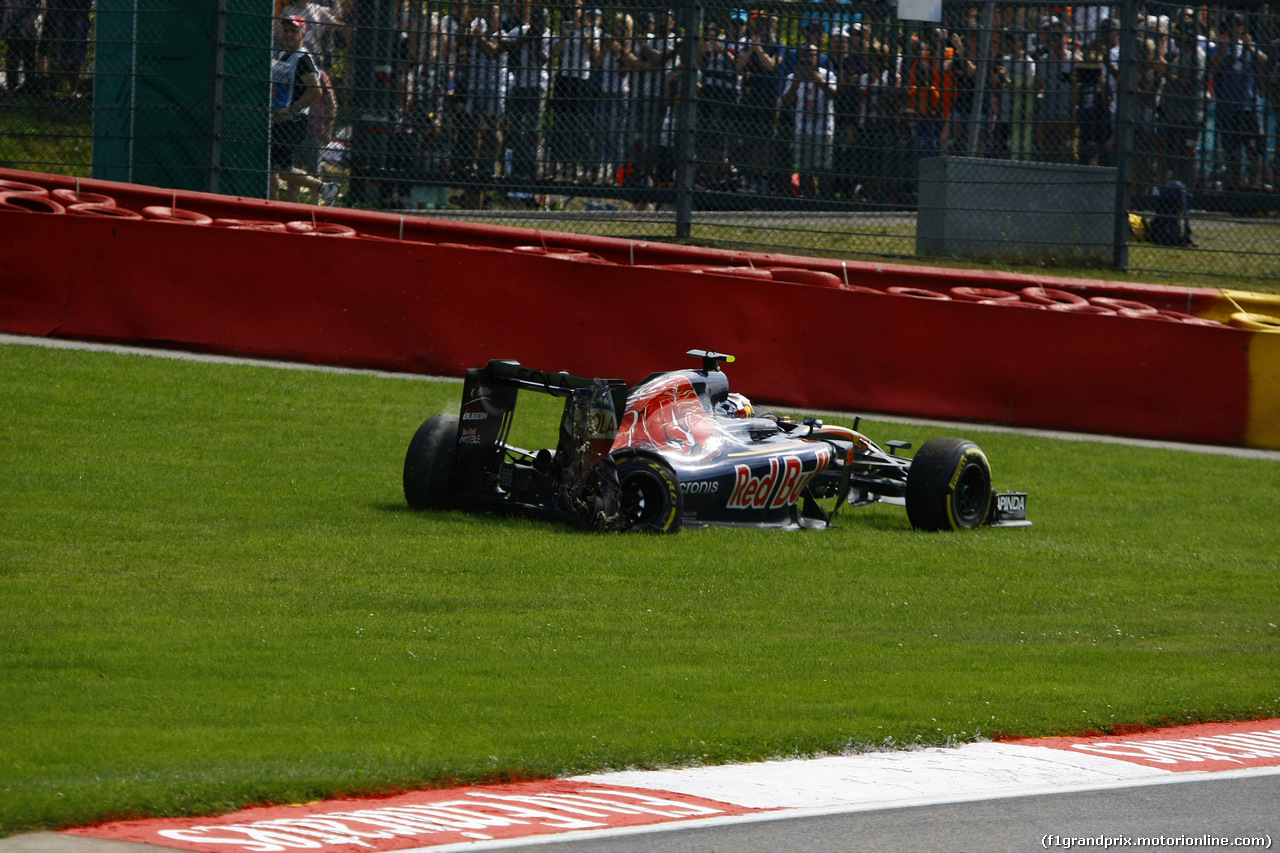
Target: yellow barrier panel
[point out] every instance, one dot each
(1263, 309)
(1263, 426)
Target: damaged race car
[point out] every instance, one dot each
(685, 450)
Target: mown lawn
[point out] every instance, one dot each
(213, 594)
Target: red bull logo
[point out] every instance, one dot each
(780, 486)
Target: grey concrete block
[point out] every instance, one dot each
(1003, 209)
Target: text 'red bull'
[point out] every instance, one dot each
(780, 486)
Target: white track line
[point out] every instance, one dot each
(208, 358)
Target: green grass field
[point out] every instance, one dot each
(214, 595)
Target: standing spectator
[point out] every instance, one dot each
(1089, 25)
(666, 166)
(66, 42)
(593, 21)
(321, 116)
(1237, 65)
(1182, 108)
(1111, 70)
(454, 73)
(897, 144)
(1002, 97)
(1057, 71)
(849, 64)
(717, 105)
(426, 56)
(1146, 142)
(811, 92)
(1018, 95)
(966, 118)
(571, 97)
(655, 55)
(811, 32)
(487, 90)
(932, 89)
(294, 88)
(1269, 42)
(739, 39)
(1092, 111)
(530, 47)
(760, 63)
(616, 59)
(20, 32)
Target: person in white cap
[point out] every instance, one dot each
(295, 86)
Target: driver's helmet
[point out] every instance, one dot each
(734, 406)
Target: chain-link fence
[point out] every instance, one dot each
(809, 127)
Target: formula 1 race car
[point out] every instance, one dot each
(685, 451)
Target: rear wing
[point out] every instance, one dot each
(587, 427)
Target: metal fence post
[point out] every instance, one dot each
(687, 118)
(218, 71)
(1123, 151)
(373, 98)
(984, 72)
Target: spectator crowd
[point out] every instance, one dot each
(827, 100)
(820, 100)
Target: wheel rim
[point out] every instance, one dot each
(970, 496)
(641, 498)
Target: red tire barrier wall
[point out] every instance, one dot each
(427, 307)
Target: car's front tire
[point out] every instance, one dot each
(429, 463)
(948, 485)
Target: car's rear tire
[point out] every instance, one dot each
(650, 500)
(429, 463)
(948, 485)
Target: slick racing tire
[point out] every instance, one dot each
(429, 463)
(948, 485)
(650, 496)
